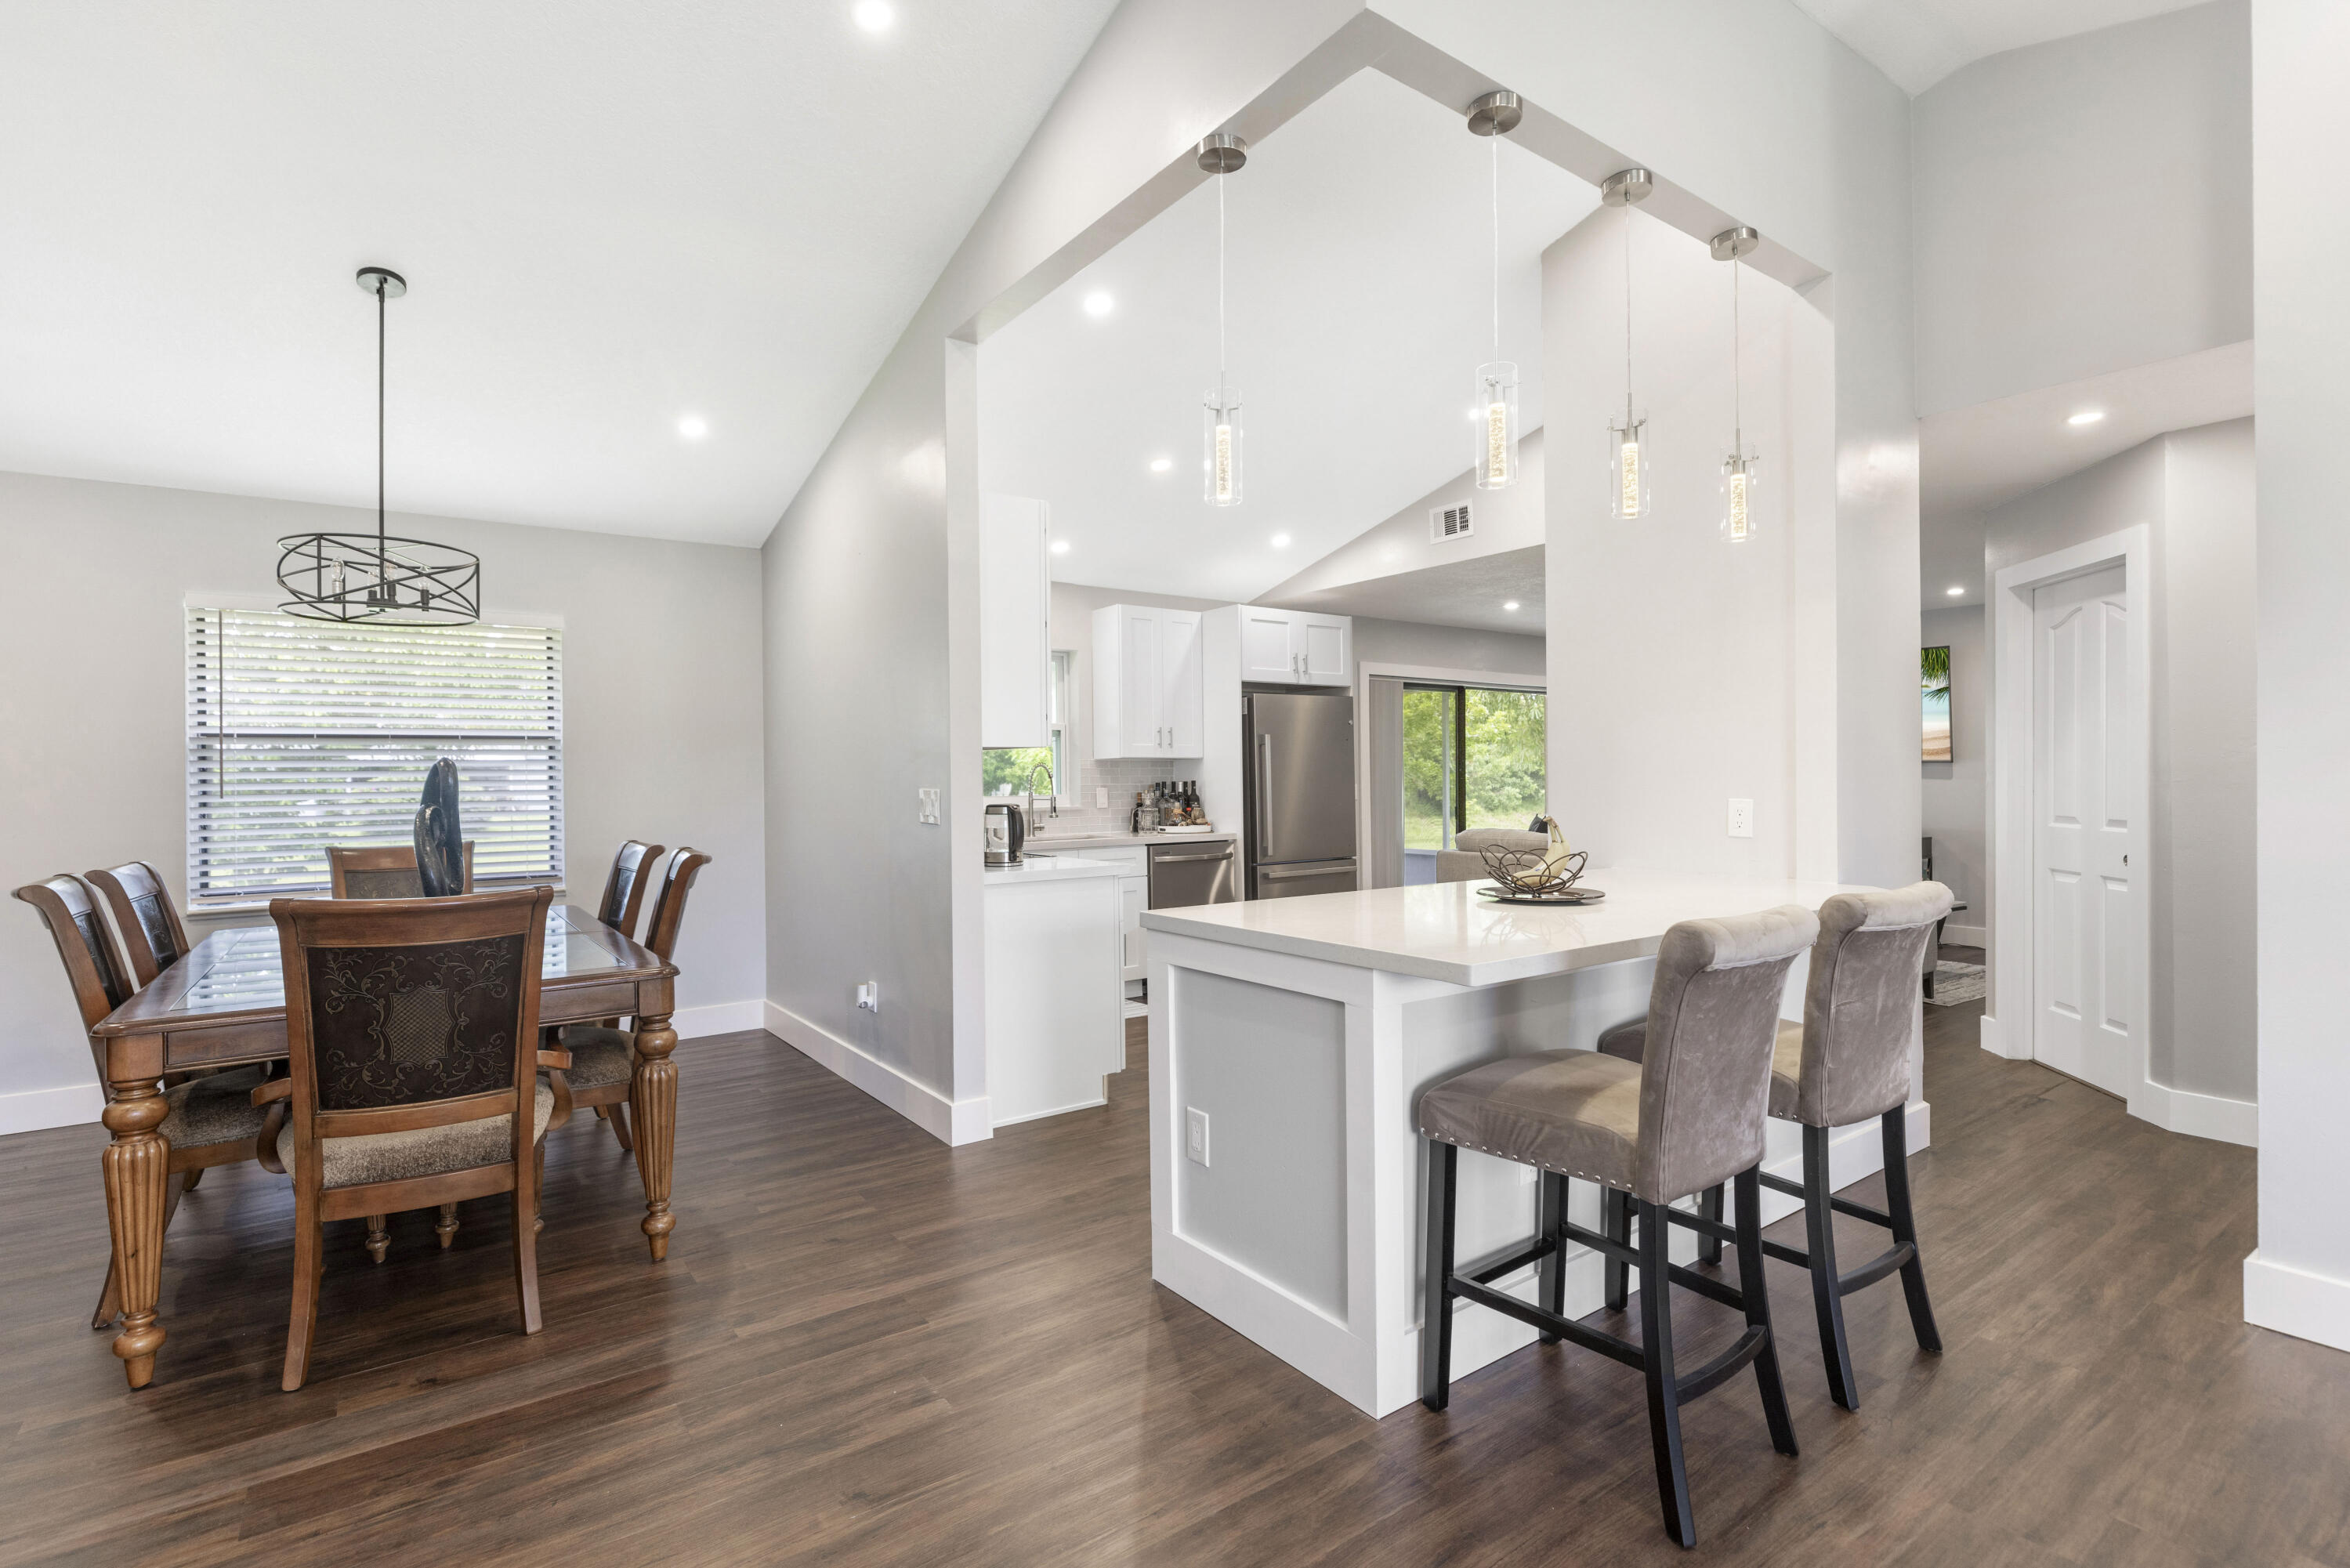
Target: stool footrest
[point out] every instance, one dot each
(1841, 1205)
(1876, 1269)
(1709, 1377)
(1722, 1290)
(1486, 1273)
(1786, 1254)
(1607, 1246)
(1607, 1344)
(1704, 1226)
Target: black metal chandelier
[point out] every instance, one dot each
(376, 578)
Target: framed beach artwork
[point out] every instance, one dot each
(1934, 681)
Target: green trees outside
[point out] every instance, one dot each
(1503, 767)
(1006, 770)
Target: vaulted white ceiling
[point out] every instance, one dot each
(611, 216)
(1919, 42)
(1361, 301)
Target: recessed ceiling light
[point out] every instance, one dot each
(1099, 304)
(1281, 541)
(693, 427)
(1060, 547)
(1509, 604)
(874, 16)
(1955, 593)
(2087, 417)
(1161, 464)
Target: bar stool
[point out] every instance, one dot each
(1848, 1061)
(1691, 1119)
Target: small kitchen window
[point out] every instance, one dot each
(1006, 770)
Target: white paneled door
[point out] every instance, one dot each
(2087, 910)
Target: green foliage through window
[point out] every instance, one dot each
(1472, 757)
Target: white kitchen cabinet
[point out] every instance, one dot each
(1056, 1007)
(1147, 682)
(1296, 648)
(1133, 898)
(1015, 652)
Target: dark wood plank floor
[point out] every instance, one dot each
(868, 1348)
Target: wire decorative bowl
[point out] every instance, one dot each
(1525, 873)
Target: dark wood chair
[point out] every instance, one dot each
(145, 915)
(411, 1028)
(381, 870)
(624, 889)
(604, 1056)
(207, 1121)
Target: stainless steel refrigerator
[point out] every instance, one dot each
(1301, 793)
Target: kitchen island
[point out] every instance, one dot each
(1290, 1039)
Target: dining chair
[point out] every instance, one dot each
(624, 888)
(206, 1121)
(144, 913)
(411, 1028)
(604, 1056)
(381, 870)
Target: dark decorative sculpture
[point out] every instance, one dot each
(1525, 872)
(440, 841)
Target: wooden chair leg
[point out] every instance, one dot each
(446, 1226)
(1656, 1362)
(1827, 1295)
(537, 1186)
(620, 1130)
(1615, 1224)
(1552, 1215)
(189, 1184)
(525, 1245)
(309, 1259)
(1756, 1294)
(379, 1240)
(1905, 1227)
(1435, 1302)
(1709, 1206)
(109, 1299)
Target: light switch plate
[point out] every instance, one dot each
(1741, 819)
(930, 807)
(1195, 1135)
(1101, 797)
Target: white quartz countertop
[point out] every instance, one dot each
(1446, 932)
(1043, 865)
(1048, 842)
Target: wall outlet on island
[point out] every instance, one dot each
(868, 995)
(1195, 1135)
(1741, 819)
(930, 802)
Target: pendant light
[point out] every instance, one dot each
(1737, 468)
(1629, 459)
(379, 577)
(1219, 155)
(1496, 464)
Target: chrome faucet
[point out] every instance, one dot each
(1052, 796)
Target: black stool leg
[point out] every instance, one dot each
(1709, 1206)
(1553, 1268)
(1758, 1308)
(1657, 1362)
(1827, 1298)
(1905, 1227)
(1436, 1302)
(1615, 1224)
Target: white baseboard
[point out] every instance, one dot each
(30, 1110)
(2293, 1301)
(948, 1121)
(2198, 1115)
(719, 1018)
(1995, 1041)
(1966, 936)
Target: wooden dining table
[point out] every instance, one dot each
(224, 1004)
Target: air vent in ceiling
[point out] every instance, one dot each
(1449, 522)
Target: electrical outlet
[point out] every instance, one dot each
(868, 995)
(1741, 819)
(1101, 797)
(1195, 1135)
(930, 807)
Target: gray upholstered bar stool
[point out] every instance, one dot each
(1688, 1118)
(1848, 1061)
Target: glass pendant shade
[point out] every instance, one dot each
(1221, 432)
(1495, 463)
(1628, 461)
(1738, 497)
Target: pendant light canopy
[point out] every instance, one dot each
(1738, 470)
(1495, 410)
(377, 578)
(1219, 155)
(1628, 461)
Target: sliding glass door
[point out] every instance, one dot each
(1473, 756)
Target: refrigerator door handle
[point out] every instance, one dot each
(1264, 796)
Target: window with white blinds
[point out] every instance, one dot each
(304, 733)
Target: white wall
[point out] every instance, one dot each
(2195, 490)
(2299, 1280)
(1504, 520)
(2084, 205)
(1953, 805)
(660, 715)
(1414, 642)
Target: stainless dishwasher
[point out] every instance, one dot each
(1194, 873)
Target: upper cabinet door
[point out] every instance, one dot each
(1183, 709)
(1324, 644)
(1140, 683)
(1015, 655)
(1268, 650)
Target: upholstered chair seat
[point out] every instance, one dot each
(1465, 862)
(1573, 1112)
(216, 1109)
(371, 1157)
(599, 1057)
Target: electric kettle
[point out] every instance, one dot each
(1007, 829)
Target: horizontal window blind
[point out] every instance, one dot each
(306, 733)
